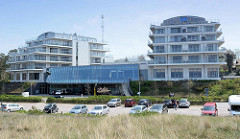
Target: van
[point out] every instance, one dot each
(234, 104)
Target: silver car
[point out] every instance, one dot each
(160, 108)
(114, 102)
(99, 110)
(79, 109)
(11, 107)
(184, 103)
(138, 109)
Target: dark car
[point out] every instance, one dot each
(50, 108)
(145, 102)
(130, 102)
(169, 103)
(160, 108)
(58, 96)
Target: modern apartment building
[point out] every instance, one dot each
(50, 49)
(185, 47)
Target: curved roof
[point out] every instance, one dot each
(45, 35)
(181, 20)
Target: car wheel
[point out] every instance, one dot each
(8, 110)
(21, 109)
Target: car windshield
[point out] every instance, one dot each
(48, 105)
(98, 107)
(113, 100)
(208, 108)
(128, 100)
(77, 107)
(183, 101)
(156, 107)
(136, 108)
(235, 108)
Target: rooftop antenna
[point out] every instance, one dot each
(102, 28)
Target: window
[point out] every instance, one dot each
(193, 59)
(53, 50)
(176, 48)
(193, 37)
(178, 38)
(11, 76)
(212, 72)
(24, 76)
(17, 76)
(33, 76)
(212, 47)
(158, 49)
(177, 59)
(195, 73)
(65, 65)
(159, 31)
(192, 29)
(159, 73)
(175, 30)
(159, 39)
(159, 60)
(53, 65)
(210, 37)
(212, 58)
(194, 47)
(209, 28)
(177, 73)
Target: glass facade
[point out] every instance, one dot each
(94, 74)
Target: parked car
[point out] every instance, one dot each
(234, 104)
(130, 102)
(114, 102)
(11, 107)
(138, 109)
(99, 110)
(184, 103)
(169, 103)
(145, 102)
(79, 109)
(58, 92)
(210, 108)
(160, 108)
(58, 96)
(51, 108)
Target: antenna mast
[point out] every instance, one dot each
(102, 28)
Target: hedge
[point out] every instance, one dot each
(14, 98)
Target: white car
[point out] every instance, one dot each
(184, 103)
(114, 102)
(11, 107)
(138, 109)
(99, 110)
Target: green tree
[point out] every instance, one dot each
(3, 68)
(190, 85)
(230, 56)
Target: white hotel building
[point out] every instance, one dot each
(185, 47)
(52, 49)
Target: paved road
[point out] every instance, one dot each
(193, 110)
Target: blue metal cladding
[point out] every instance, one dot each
(93, 74)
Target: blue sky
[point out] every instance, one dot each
(126, 21)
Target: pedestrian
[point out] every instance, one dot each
(175, 104)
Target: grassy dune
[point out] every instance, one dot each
(17, 125)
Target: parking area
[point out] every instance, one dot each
(193, 110)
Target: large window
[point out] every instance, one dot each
(192, 29)
(159, 73)
(159, 60)
(159, 39)
(24, 76)
(177, 73)
(212, 58)
(17, 76)
(175, 30)
(194, 59)
(209, 28)
(177, 59)
(194, 47)
(176, 38)
(159, 31)
(33, 76)
(212, 72)
(195, 73)
(212, 47)
(193, 37)
(176, 48)
(158, 49)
